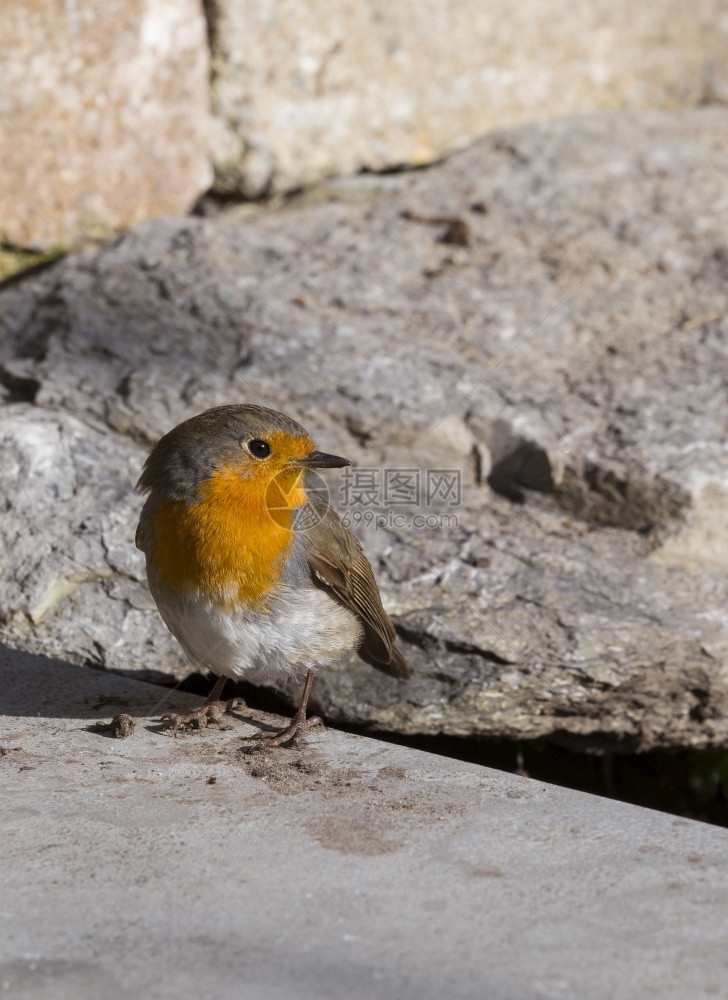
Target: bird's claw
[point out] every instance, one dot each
(201, 718)
(290, 735)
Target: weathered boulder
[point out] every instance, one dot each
(560, 340)
(103, 116)
(303, 90)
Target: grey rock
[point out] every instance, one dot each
(575, 350)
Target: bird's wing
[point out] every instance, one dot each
(337, 561)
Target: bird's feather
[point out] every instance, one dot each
(338, 563)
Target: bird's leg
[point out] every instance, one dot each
(217, 690)
(298, 726)
(212, 711)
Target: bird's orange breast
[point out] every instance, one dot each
(232, 545)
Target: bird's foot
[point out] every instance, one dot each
(201, 718)
(298, 727)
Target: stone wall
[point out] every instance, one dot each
(108, 114)
(302, 90)
(103, 116)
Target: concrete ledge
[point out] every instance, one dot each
(155, 867)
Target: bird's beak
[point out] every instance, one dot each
(319, 460)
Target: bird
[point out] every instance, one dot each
(250, 566)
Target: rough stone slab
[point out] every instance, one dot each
(576, 350)
(303, 89)
(344, 867)
(103, 115)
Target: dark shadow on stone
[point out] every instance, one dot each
(35, 685)
(18, 388)
(526, 466)
(603, 497)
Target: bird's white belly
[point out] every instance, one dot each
(305, 627)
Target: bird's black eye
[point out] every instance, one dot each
(258, 448)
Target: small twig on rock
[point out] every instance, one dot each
(458, 232)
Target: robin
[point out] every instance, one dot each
(250, 567)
